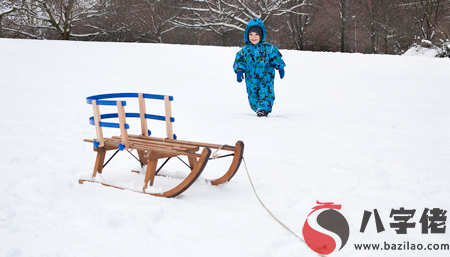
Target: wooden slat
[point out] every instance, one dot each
(122, 122)
(143, 143)
(142, 111)
(168, 108)
(163, 144)
(181, 142)
(115, 142)
(97, 118)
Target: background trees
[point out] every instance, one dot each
(224, 16)
(54, 19)
(368, 26)
(137, 20)
(7, 8)
(380, 20)
(299, 22)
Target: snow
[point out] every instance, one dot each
(365, 131)
(419, 51)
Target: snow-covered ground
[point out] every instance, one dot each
(365, 131)
(417, 50)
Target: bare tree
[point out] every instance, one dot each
(7, 8)
(343, 7)
(427, 14)
(369, 15)
(222, 16)
(57, 18)
(378, 19)
(391, 14)
(138, 20)
(338, 14)
(445, 27)
(297, 22)
(157, 18)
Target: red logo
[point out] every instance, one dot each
(326, 229)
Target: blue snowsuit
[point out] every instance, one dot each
(259, 62)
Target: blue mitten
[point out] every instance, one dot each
(281, 73)
(240, 76)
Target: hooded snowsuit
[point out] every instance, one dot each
(259, 62)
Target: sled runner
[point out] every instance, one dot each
(151, 149)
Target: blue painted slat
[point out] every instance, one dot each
(112, 125)
(117, 95)
(107, 96)
(158, 97)
(103, 116)
(111, 103)
(155, 117)
(108, 124)
(109, 116)
(130, 115)
(149, 116)
(158, 117)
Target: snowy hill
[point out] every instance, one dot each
(365, 131)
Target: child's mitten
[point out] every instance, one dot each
(240, 76)
(281, 73)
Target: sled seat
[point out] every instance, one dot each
(149, 148)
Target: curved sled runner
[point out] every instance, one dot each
(150, 149)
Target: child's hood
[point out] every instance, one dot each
(255, 22)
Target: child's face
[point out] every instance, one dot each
(254, 38)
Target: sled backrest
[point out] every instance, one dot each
(96, 120)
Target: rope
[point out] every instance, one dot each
(215, 155)
(271, 214)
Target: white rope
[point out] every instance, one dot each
(215, 155)
(271, 214)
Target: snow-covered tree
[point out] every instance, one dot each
(298, 22)
(160, 16)
(7, 7)
(153, 18)
(135, 20)
(221, 16)
(427, 14)
(378, 19)
(61, 19)
(338, 14)
(343, 6)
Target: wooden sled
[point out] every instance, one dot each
(151, 149)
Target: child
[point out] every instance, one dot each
(258, 60)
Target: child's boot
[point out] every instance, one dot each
(262, 113)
